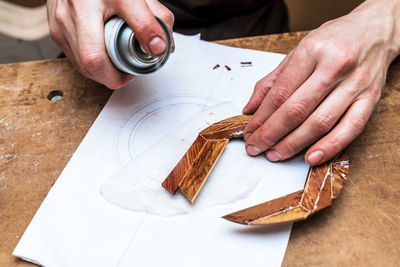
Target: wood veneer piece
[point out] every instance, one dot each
(323, 184)
(201, 168)
(192, 171)
(174, 179)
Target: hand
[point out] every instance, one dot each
(77, 26)
(325, 90)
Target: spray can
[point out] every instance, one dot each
(125, 51)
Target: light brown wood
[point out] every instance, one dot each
(201, 168)
(323, 184)
(360, 229)
(192, 171)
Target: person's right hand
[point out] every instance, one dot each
(77, 27)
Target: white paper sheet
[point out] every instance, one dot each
(136, 186)
(76, 226)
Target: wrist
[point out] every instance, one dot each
(383, 18)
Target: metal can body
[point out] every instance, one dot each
(125, 51)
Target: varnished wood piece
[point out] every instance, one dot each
(193, 169)
(201, 168)
(174, 179)
(323, 184)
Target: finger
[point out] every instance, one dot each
(145, 26)
(297, 70)
(319, 123)
(290, 115)
(349, 127)
(93, 60)
(165, 15)
(262, 87)
(61, 28)
(162, 12)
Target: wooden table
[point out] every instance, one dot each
(38, 137)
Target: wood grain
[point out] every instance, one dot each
(316, 195)
(202, 167)
(192, 171)
(175, 178)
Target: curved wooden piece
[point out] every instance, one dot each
(323, 184)
(193, 169)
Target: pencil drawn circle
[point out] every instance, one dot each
(148, 122)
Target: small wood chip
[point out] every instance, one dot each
(246, 64)
(228, 68)
(216, 67)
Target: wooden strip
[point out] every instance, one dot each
(292, 214)
(340, 170)
(265, 210)
(324, 198)
(226, 133)
(201, 168)
(315, 180)
(316, 195)
(175, 177)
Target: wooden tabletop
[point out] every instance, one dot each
(38, 137)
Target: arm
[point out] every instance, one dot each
(325, 90)
(77, 27)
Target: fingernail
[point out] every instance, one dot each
(157, 46)
(253, 150)
(315, 157)
(273, 155)
(245, 110)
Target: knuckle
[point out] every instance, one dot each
(360, 80)
(296, 113)
(278, 96)
(261, 89)
(324, 83)
(263, 85)
(291, 148)
(258, 85)
(357, 126)
(323, 124)
(253, 125)
(145, 27)
(345, 58)
(167, 16)
(334, 145)
(266, 140)
(59, 16)
(92, 62)
(314, 45)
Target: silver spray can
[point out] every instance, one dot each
(125, 51)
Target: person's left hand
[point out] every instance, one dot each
(326, 89)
